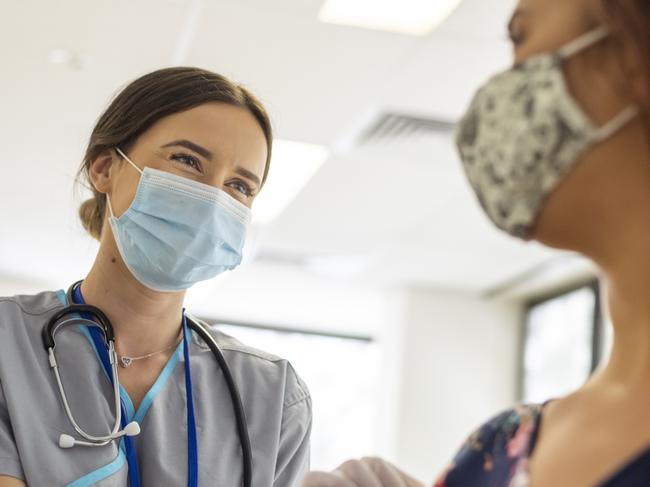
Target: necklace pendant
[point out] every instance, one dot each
(125, 361)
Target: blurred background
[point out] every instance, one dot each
(370, 265)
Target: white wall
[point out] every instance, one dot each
(460, 368)
(450, 360)
(295, 297)
(13, 285)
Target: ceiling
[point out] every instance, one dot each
(393, 211)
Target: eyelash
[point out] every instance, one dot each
(248, 192)
(182, 158)
(516, 36)
(516, 39)
(196, 164)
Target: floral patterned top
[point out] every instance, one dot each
(497, 455)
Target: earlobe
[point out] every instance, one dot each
(101, 169)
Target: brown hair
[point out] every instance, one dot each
(630, 21)
(145, 101)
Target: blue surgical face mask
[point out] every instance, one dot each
(178, 232)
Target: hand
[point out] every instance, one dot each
(367, 472)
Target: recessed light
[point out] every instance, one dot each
(411, 17)
(65, 57)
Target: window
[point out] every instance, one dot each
(562, 343)
(342, 374)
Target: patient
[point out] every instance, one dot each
(557, 151)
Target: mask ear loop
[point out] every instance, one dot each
(119, 151)
(573, 48)
(616, 123)
(583, 42)
(110, 207)
(108, 198)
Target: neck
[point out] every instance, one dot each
(621, 246)
(628, 293)
(143, 320)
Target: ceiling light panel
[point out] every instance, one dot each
(411, 17)
(293, 165)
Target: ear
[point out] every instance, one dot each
(101, 169)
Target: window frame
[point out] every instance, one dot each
(597, 325)
(216, 322)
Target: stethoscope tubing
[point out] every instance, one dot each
(237, 403)
(57, 321)
(92, 439)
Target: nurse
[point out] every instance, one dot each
(557, 150)
(174, 165)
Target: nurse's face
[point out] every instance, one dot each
(216, 144)
(597, 81)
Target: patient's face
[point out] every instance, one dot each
(545, 25)
(592, 75)
(594, 78)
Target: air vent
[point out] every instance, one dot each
(390, 126)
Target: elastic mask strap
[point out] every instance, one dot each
(119, 151)
(616, 123)
(584, 41)
(108, 198)
(110, 207)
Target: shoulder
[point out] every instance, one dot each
(493, 453)
(24, 312)
(258, 366)
(31, 305)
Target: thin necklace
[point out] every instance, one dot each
(126, 360)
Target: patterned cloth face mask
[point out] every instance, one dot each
(178, 231)
(523, 132)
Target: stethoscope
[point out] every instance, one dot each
(104, 340)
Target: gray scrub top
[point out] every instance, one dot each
(276, 402)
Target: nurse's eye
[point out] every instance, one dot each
(242, 188)
(188, 160)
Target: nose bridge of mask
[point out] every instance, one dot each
(580, 44)
(197, 190)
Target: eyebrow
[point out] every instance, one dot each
(208, 155)
(191, 146)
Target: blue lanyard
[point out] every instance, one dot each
(129, 446)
